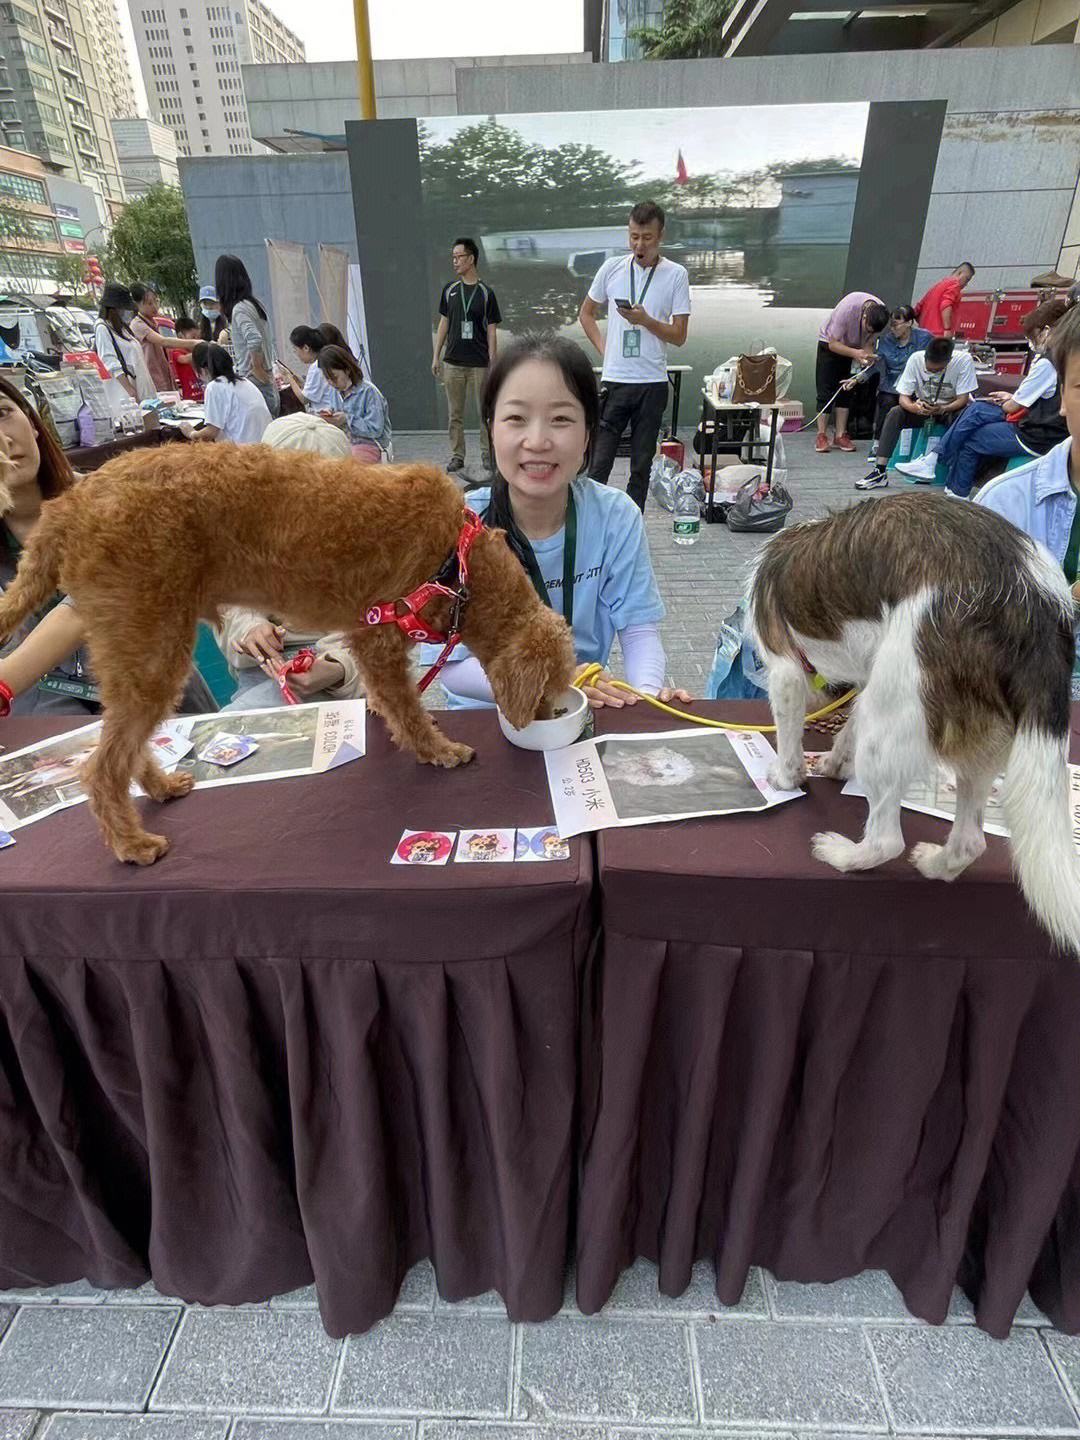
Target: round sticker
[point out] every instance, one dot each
(426, 847)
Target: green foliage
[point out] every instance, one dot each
(151, 241)
(502, 181)
(690, 30)
(70, 272)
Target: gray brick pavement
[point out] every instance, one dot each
(790, 1362)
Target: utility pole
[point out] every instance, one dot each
(365, 68)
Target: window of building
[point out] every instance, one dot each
(23, 187)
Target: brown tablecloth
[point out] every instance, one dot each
(989, 381)
(91, 457)
(275, 1056)
(822, 1073)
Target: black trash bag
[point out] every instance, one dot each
(760, 510)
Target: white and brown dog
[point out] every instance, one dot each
(958, 631)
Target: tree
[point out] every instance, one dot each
(151, 241)
(690, 30)
(70, 275)
(489, 178)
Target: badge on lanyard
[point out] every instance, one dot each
(631, 340)
(466, 306)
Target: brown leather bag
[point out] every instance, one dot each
(755, 380)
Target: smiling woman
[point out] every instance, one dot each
(582, 544)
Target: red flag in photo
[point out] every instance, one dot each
(681, 173)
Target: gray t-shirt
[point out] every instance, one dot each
(249, 334)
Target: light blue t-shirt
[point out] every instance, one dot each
(614, 584)
(1040, 500)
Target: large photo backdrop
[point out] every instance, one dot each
(760, 206)
(775, 210)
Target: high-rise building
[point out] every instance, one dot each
(191, 55)
(52, 96)
(147, 154)
(110, 56)
(622, 19)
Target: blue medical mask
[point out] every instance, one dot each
(127, 316)
(210, 314)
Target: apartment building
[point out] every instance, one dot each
(191, 55)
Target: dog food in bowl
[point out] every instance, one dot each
(569, 712)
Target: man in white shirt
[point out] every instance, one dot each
(648, 308)
(936, 384)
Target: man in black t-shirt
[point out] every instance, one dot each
(469, 316)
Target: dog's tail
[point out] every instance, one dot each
(1037, 803)
(38, 576)
(1040, 825)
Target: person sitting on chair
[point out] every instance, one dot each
(1028, 422)
(936, 385)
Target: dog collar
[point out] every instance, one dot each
(451, 581)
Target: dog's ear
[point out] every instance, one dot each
(537, 663)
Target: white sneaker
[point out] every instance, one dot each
(952, 494)
(922, 470)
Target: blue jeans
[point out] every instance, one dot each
(978, 433)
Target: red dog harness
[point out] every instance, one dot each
(451, 581)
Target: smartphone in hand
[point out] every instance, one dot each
(623, 305)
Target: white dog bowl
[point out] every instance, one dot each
(555, 733)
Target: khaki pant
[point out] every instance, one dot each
(459, 380)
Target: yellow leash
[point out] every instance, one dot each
(588, 675)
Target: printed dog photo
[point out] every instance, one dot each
(688, 773)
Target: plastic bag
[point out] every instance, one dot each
(760, 510)
(665, 478)
(662, 482)
(738, 672)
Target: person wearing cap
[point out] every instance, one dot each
(155, 346)
(119, 351)
(213, 321)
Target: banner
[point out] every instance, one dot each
(290, 300)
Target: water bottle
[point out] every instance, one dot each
(686, 518)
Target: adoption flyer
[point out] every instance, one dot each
(234, 747)
(671, 775)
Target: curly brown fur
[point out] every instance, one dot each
(152, 543)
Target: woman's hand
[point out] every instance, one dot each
(682, 697)
(335, 417)
(264, 642)
(324, 675)
(603, 691)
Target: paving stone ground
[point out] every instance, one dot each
(810, 1361)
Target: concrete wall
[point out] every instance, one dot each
(320, 98)
(236, 204)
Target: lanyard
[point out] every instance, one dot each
(648, 282)
(569, 559)
(466, 305)
(1071, 563)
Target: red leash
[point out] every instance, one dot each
(300, 664)
(451, 581)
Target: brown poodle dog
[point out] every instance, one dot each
(150, 544)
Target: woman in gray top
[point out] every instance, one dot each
(249, 328)
(45, 661)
